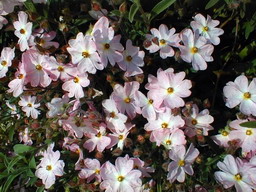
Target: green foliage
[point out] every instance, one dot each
(249, 124)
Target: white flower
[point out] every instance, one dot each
(29, 106)
(50, 167)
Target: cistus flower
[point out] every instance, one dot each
(23, 30)
(162, 40)
(50, 167)
(207, 28)
(182, 162)
(235, 172)
(132, 60)
(195, 50)
(239, 92)
(7, 55)
(29, 106)
(120, 177)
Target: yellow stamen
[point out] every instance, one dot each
(97, 171)
(170, 90)
(85, 54)
(22, 31)
(129, 58)
(112, 114)
(247, 95)
(168, 142)
(4, 63)
(164, 125)
(29, 104)
(98, 134)
(20, 76)
(127, 100)
(120, 137)
(181, 163)
(224, 133)
(48, 167)
(162, 42)
(120, 178)
(194, 122)
(238, 177)
(60, 68)
(205, 28)
(194, 50)
(76, 80)
(39, 67)
(150, 101)
(106, 46)
(248, 132)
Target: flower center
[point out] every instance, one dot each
(20, 76)
(194, 50)
(194, 122)
(77, 151)
(162, 42)
(127, 100)
(106, 46)
(205, 28)
(120, 137)
(98, 134)
(29, 104)
(129, 58)
(120, 178)
(224, 133)
(76, 80)
(168, 142)
(22, 31)
(170, 90)
(248, 132)
(164, 125)
(41, 42)
(60, 68)
(85, 54)
(150, 101)
(112, 114)
(39, 67)
(97, 171)
(238, 177)
(181, 163)
(247, 95)
(4, 63)
(48, 167)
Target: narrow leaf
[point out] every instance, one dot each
(133, 10)
(161, 6)
(211, 3)
(249, 124)
(20, 148)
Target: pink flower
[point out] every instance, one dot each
(29, 106)
(17, 85)
(121, 176)
(181, 163)
(246, 135)
(223, 138)
(74, 86)
(43, 39)
(83, 52)
(7, 6)
(207, 28)
(7, 55)
(56, 106)
(233, 172)
(169, 88)
(174, 139)
(132, 60)
(108, 45)
(23, 30)
(25, 137)
(50, 167)
(126, 98)
(91, 171)
(195, 50)
(97, 139)
(164, 124)
(198, 120)
(239, 92)
(162, 40)
(112, 114)
(38, 68)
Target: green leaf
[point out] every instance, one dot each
(211, 3)
(40, 189)
(30, 6)
(133, 10)
(249, 124)
(32, 162)
(20, 148)
(161, 6)
(13, 162)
